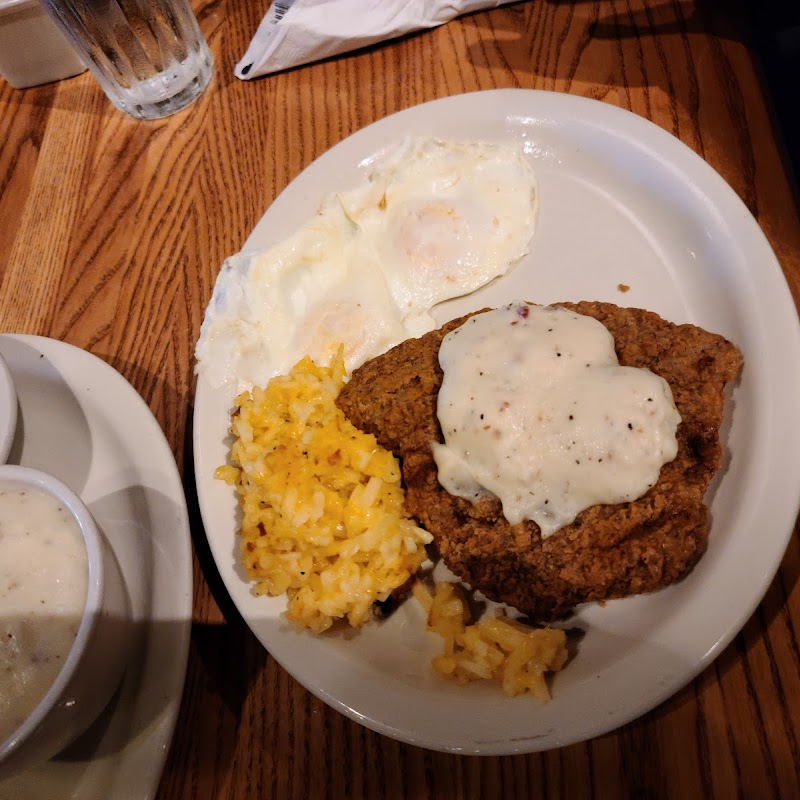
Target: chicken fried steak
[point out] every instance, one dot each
(609, 550)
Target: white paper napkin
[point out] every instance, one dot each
(295, 32)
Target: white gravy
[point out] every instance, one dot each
(536, 410)
(43, 586)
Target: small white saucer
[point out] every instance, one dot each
(8, 411)
(82, 422)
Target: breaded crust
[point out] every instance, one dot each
(609, 550)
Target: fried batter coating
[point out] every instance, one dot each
(609, 550)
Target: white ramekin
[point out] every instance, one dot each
(96, 662)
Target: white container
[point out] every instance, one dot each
(8, 411)
(32, 49)
(98, 657)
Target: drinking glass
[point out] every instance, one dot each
(148, 55)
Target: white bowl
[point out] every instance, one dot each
(8, 411)
(97, 659)
(32, 49)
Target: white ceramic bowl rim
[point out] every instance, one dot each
(17, 475)
(8, 401)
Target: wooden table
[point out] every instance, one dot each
(111, 235)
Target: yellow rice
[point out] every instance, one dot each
(322, 504)
(493, 648)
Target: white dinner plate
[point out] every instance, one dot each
(621, 204)
(81, 421)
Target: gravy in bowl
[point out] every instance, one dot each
(43, 590)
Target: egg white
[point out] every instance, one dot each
(435, 220)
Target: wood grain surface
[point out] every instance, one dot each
(112, 231)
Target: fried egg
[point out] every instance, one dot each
(434, 220)
(304, 296)
(444, 218)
